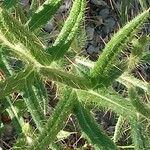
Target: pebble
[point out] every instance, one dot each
(109, 25)
(90, 32)
(65, 7)
(49, 26)
(99, 2)
(91, 49)
(24, 2)
(104, 13)
(8, 132)
(111, 129)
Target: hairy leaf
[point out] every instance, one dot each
(107, 100)
(119, 129)
(55, 123)
(139, 134)
(66, 78)
(115, 45)
(13, 33)
(44, 13)
(69, 30)
(41, 93)
(92, 130)
(140, 106)
(33, 105)
(9, 3)
(15, 82)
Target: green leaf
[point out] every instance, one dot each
(127, 79)
(15, 82)
(143, 4)
(17, 37)
(4, 67)
(33, 105)
(138, 46)
(69, 30)
(116, 45)
(44, 13)
(20, 14)
(140, 106)
(139, 134)
(146, 58)
(13, 111)
(64, 134)
(119, 129)
(22, 142)
(124, 11)
(107, 100)
(41, 92)
(114, 72)
(66, 78)
(17, 119)
(92, 130)
(55, 123)
(9, 3)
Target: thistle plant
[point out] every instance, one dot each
(87, 84)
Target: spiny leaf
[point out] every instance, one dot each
(138, 46)
(9, 3)
(15, 82)
(125, 79)
(113, 73)
(139, 135)
(107, 100)
(55, 123)
(33, 105)
(44, 13)
(69, 30)
(119, 129)
(115, 45)
(90, 127)
(140, 106)
(4, 65)
(11, 31)
(41, 92)
(11, 108)
(17, 120)
(20, 15)
(65, 78)
(146, 58)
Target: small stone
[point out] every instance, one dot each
(65, 7)
(104, 13)
(99, 2)
(98, 20)
(110, 22)
(109, 25)
(111, 129)
(8, 132)
(90, 33)
(25, 2)
(91, 49)
(49, 26)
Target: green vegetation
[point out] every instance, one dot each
(87, 85)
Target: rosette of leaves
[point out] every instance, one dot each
(84, 85)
